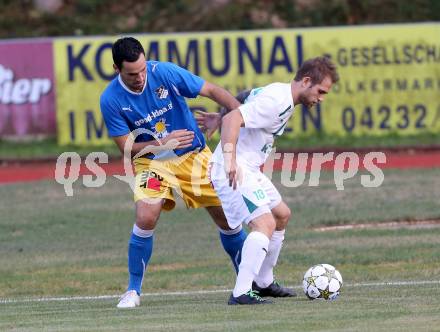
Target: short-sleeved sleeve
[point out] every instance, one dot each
(261, 112)
(187, 84)
(115, 123)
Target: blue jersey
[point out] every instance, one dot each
(158, 110)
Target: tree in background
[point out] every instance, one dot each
(37, 18)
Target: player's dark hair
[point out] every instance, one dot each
(317, 69)
(126, 49)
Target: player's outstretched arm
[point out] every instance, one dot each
(219, 95)
(209, 122)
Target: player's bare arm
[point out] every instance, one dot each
(209, 122)
(219, 95)
(177, 139)
(230, 130)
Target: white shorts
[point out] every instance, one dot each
(256, 195)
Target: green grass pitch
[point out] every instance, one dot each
(63, 261)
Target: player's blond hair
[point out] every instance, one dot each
(317, 69)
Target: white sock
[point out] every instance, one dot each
(252, 256)
(231, 231)
(142, 232)
(265, 276)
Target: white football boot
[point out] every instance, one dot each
(130, 299)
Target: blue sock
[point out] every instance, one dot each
(233, 243)
(139, 253)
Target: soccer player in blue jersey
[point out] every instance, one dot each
(146, 103)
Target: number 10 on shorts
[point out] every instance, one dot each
(259, 194)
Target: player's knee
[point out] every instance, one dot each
(270, 226)
(146, 220)
(265, 224)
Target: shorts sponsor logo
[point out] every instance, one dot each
(153, 184)
(151, 180)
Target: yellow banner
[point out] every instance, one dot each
(390, 75)
(390, 79)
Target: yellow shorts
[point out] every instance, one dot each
(187, 175)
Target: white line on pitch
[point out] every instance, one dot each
(395, 283)
(105, 297)
(202, 292)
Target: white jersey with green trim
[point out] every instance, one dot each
(265, 112)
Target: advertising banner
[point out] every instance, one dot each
(390, 79)
(390, 76)
(27, 96)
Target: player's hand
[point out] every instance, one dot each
(232, 170)
(208, 122)
(178, 139)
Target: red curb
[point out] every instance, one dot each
(11, 172)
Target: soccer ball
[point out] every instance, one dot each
(322, 281)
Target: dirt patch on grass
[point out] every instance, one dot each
(416, 224)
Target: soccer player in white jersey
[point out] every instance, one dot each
(246, 194)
